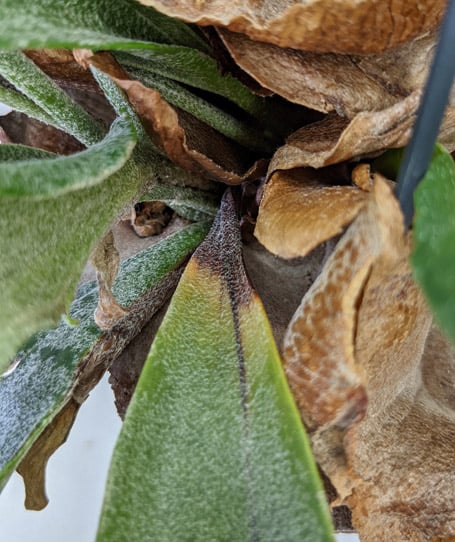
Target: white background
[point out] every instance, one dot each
(75, 481)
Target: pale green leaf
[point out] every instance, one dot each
(41, 89)
(60, 175)
(89, 23)
(37, 388)
(189, 203)
(212, 447)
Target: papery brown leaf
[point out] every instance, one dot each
(364, 326)
(315, 25)
(335, 139)
(300, 210)
(32, 468)
(107, 260)
(346, 84)
(188, 142)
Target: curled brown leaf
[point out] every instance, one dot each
(300, 210)
(188, 142)
(348, 26)
(364, 326)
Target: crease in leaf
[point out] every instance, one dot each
(49, 177)
(212, 440)
(44, 92)
(33, 393)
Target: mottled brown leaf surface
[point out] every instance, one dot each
(347, 26)
(374, 383)
(335, 139)
(300, 210)
(329, 82)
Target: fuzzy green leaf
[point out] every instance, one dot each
(189, 203)
(41, 89)
(89, 23)
(45, 243)
(240, 131)
(433, 257)
(60, 175)
(196, 69)
(212, 441)
(19, 102)
(36, 390)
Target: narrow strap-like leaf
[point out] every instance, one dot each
(212, 447)
(21, 103)
(34, 392)
(38, 87)
(238, 130)
(89, 23)
(193, 68)
(55, 176)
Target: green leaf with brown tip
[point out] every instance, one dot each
(212, 447)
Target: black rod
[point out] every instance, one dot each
(418, 153)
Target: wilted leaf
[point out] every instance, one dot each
(188, 142)
(70, 359)
(300, 210)
(211, 440)
(314, 25)
(32, 468)
(361, 333)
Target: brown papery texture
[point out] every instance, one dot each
(188, 142)
(300, 210)
(346, 84)
(344, 26)
(374, 383)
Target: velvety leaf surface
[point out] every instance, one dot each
(64, 113)
(53, 177)
(361, 344)
(40, 269)
(314, 25)
(211, 440)
(89, 23)
(70, 359)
